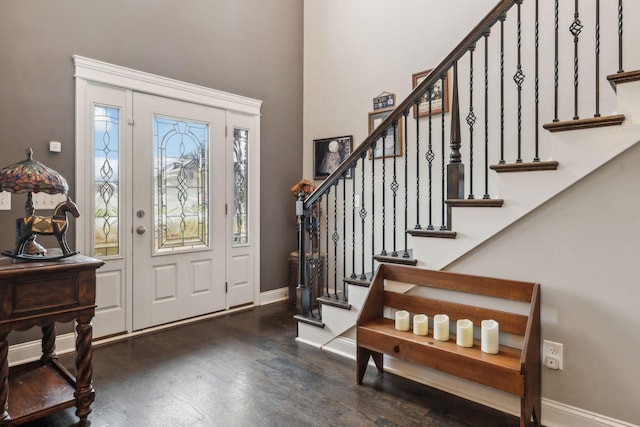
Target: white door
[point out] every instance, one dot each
(179, 210)
(159, 163)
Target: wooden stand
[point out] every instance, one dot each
(512, 370)
(40, 294)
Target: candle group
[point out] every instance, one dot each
(489, 330)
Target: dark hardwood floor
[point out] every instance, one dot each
(246, 369)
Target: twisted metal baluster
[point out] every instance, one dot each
(620, 69)
(575, 29)
(537, 88)
(556, 63)
(326, 229)
(405, 254)
(430, 156)
(443, 225)
(502, 161)
(335, 237)
(383, 252)
(394, 188)
(486, 116)
(597, 113)
(353, 220)
(363, 215)
(471, 120)
(518, 78)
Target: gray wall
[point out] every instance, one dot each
(247, 47)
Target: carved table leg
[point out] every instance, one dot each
(4, 379)
(48, 343)
(85, 394)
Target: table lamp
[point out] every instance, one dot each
(30, 176)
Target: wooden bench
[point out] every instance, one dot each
(512, 370)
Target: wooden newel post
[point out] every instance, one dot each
(455, 168)
(303, 298)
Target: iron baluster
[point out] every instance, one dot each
(502, 161)
(556, 62)
(620, 69)
(373, 195)
(405, 254)
(576, 29)
(443, 224)
(326, 230)
(471, 120)
(344, 236)
(363, 215)
(486, 116)
(383, 252)
(518, 78)
(353, 220)
(394, 189)
(430, 157)
(597, 113)
(537, 87)
(417, 107)
(335, 237)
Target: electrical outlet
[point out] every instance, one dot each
(5, 201)
(552, 354)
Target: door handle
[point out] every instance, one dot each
(141, 230)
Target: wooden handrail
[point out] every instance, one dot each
(482, 28)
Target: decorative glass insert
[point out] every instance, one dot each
(106, 143)
(181, 187)
(240, 186)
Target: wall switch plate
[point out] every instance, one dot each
(5, 201)
(55, 146)
(47, 201)
(552, 354)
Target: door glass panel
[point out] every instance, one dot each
(106, 133)
(240, 186)
(181, 184)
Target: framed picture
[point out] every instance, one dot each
(329, 153)
(375, 119)
(439, 96)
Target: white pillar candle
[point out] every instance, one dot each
(489, 342)
(420, 324)
(464, 333)
(441, 327)
(402, 320)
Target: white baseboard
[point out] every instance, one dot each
(274, 295)
(65, 343)
(554, 414)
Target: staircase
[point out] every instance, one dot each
(505, 138)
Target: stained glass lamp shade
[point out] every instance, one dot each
(31, 176)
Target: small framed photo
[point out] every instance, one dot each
(439, 96)
(329, 153)
(391, 141)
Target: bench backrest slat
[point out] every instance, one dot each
(509, 322)
(488, 286)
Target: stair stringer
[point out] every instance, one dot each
(579, 153)
(337, 321)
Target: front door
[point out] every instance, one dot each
(178, 194)
(167, 186)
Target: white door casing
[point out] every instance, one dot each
(100, 84)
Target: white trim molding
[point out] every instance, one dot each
(102, 72)
(554, 414)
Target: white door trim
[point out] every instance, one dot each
(92, 71)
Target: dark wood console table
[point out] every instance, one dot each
(41, 293)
